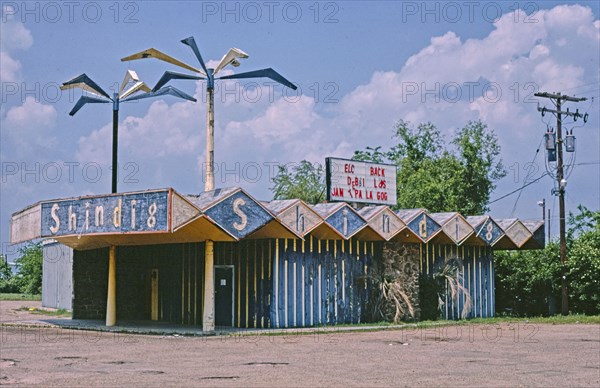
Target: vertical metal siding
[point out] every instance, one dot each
(319, 282)
(253, 293)
(477, 276)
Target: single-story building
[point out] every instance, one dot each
(224, 259)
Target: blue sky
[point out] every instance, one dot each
(361, 66)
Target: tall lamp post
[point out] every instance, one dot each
(231, 58)
(129, 91)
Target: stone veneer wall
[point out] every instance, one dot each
(402, 261)
(90, 277)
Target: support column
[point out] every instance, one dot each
(209, 185)
(111, 301)
(208, 315)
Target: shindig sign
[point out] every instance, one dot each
(360, 182)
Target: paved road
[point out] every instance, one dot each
(475, 355)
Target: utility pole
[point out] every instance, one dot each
(558, 99)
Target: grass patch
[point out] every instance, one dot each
(554, 320)
(20, 297)
(52, 313)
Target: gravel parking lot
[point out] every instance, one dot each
(468, 355)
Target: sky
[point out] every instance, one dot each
(359, 66)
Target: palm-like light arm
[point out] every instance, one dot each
(129, 91)
(230, 58)
(192, 43)
(169, 75)
(84, 82)
(86, 100)
(264, 73)
(154, 53)
(130, 94)
(167, 90)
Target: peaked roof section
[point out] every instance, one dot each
(486, 229)
(341, 218)
(234, 211)
(166, 216)
(454, 226)
(539, 236)
(420, 222)
(383, 221)
(295, 215)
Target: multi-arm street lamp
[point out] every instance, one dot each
(231, 58)
(129, 91)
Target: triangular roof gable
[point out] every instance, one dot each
(182, 211)
(296, 215)
(235, 211)
(539, 236)
(518, 233)
(383, 221)
(420, 222)
(486, 229)
(342, 218)
(454, 226)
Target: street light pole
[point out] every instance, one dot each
(209, 185)
(230, 58)
(99, 96)
(115, 142)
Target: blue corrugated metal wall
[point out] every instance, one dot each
(290, 282)
(320, 282)
(477, 274)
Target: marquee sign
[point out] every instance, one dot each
(126, 213)
(360, 182)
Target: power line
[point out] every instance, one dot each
(520, 188)
(580, 86)
(537, 151)
(588, 163)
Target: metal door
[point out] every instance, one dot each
(224, 295)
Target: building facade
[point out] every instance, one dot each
(224, 259)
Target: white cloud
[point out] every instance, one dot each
(165, 130)
(15, 36)
(513, 61)
(28, 125)
(281, 120)
(10, 68)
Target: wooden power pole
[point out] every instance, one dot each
(558, 99)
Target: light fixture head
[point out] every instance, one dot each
(231, 58)
(563, 183)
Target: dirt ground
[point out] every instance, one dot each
(470, 355)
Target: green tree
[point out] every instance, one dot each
(526, 281)
(583, 261)
(304, 181)
(437, 178)
(478, 154)
(29, 265)
(7, 278)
